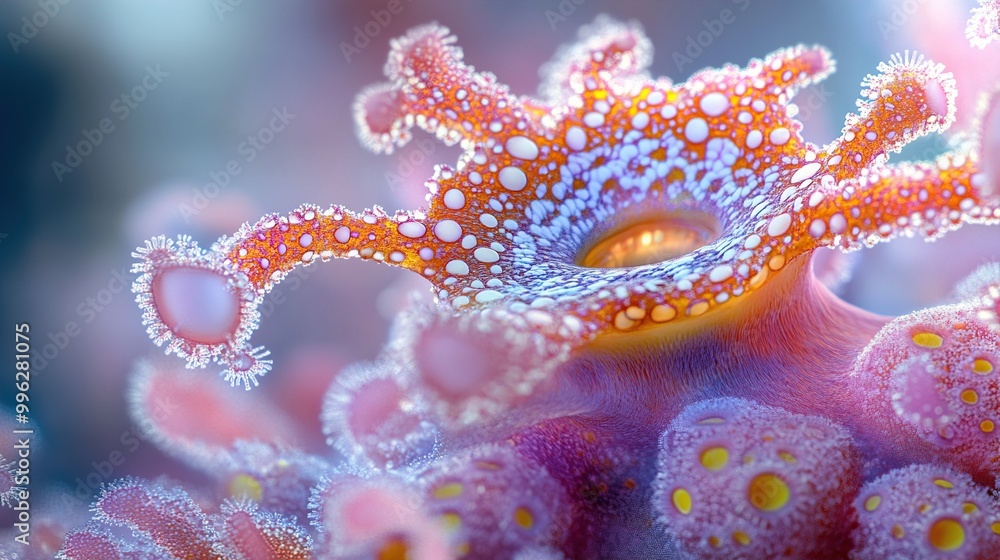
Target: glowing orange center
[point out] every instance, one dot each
(651, 241)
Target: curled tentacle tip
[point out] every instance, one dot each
(983, 26)
(378, 112)
(370, 416)
(199, 307)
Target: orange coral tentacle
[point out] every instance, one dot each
(910, 97)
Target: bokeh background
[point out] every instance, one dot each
(202, 77)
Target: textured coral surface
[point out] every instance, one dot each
(630, 348)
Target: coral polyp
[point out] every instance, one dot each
(626, 353)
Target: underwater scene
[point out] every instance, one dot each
(553, 280)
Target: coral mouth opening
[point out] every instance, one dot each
(651, 239)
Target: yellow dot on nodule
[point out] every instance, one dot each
(741, 538)
(714, 541)
(395, 549)
(928, 340)
(946, 534)
(767, 492)
(986, 426)
(871, 504)
(943, 483)
(969, 507)
(969, 396)
(787, 457)
(897, 531)
(982, 367)
(996, 527)
(524, 518)
(449, 490)
(682, 501)
(714, 458)
(451, 521)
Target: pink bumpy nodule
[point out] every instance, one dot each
(931, 376)
(496, 502)
(926, 511)
(369, 416)
(382, 517)
(741, 480)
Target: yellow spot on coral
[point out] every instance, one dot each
(871, 504)
(969, 396)
(924, 508)
(943, 483)
(986, 426)
(787, 457)
(946, 534)
(897, 531)
(928, 340)
(488, 465)
(246, 485)
(716, 543)
(996, 527)
(714, 458)
(395, 549)
(767, 492)
(982, 367)
(741, 538)
(676, 175)
(451, 521)
(682, 501)
(969, 507)
(446, 491)
(524, 518)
